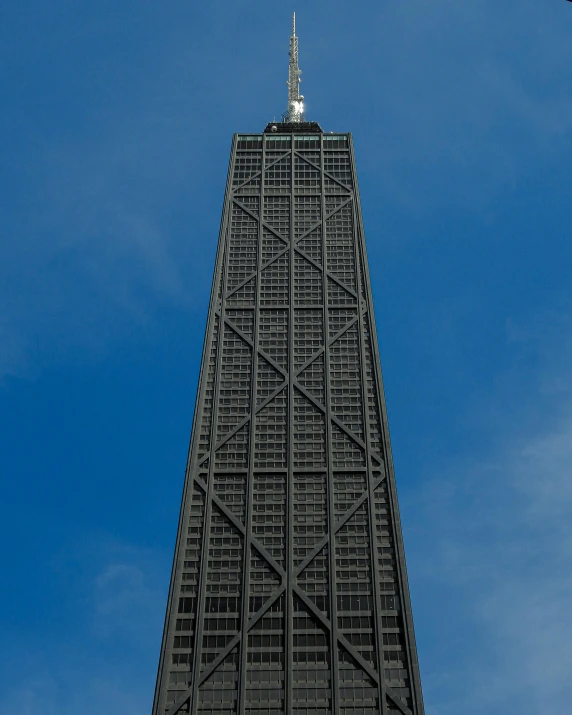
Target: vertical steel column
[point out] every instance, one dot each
(330, 481)
(212, 458)
(289, 605)
(245, 604)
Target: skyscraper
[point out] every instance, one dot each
(288, 592)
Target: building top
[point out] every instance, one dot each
(293, 127)
(300, 137)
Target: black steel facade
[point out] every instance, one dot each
(289, 593)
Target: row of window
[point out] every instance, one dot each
(297, 137)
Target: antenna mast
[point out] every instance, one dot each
(295, 111)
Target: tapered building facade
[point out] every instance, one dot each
(289, 593)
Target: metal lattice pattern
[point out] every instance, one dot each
(289, 592)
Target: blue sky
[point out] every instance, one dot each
(116, 127)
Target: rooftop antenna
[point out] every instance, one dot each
(295, 111)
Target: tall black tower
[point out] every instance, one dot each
(289, 593)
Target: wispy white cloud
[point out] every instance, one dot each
(464, 95)
(36, 695)
(105, 662)
(106, 230)
(500, 577)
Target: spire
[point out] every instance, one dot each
(295, 111)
